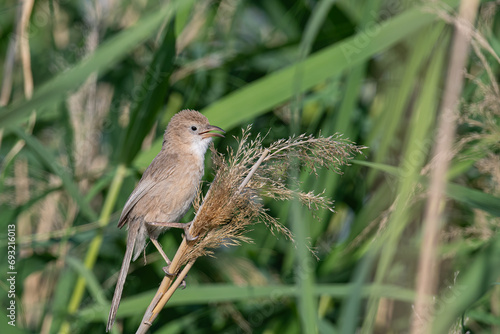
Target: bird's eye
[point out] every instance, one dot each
(194, 128)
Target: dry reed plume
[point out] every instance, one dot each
(234, 200)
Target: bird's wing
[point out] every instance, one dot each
(138, 193)
(153, 176)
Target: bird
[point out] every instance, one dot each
(165, 191)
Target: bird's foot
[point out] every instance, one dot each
(167, 272)
(187, 234)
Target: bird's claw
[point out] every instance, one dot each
(187, 234)
(167, 272)
(189, 237)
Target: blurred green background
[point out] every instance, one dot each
(88, 88)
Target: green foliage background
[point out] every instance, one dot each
(108, 75)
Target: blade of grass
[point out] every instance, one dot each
(152, 94)
(92, 282)
(397, 102)
(304, 270)
(475, 198)
(411, 165)
(352, 305)
(214, 293)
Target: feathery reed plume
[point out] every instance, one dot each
(228, 207)
(234, 200)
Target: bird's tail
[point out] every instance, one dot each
(132, 236)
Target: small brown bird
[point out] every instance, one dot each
(166, 190)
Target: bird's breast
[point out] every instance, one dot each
(172, 197)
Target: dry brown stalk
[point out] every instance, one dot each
(427, 274)
(233, 201)
(24, 48)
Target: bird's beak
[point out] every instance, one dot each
(207, 133)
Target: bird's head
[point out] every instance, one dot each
(190, 130)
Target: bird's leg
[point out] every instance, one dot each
(165, 257)
(184, 226)
(189, 236)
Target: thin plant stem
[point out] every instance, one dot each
(252, 171)
(427, 274)
(165, 297)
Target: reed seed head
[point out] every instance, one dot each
(229, 208)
